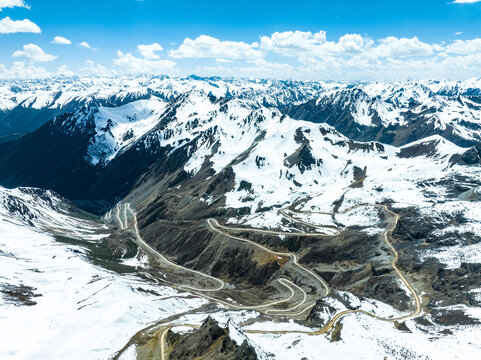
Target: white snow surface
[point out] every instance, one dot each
(443, 103)
(362, 337)
(82, 311)
(119, 127)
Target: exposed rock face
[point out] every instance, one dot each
(398, 113)
(470, 157)
(210, 342)
(18, 295)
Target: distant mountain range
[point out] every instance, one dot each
(363, 111)
(100, 153)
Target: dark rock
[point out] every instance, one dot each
(211, 342)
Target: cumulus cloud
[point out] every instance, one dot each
(64, 71)
(19, 70)
(466, 1)
(12, 3)
(352, 43)
(149, 51)
(465, 47)
(287, 41)
(61, 40)
(134, 65)
(86, 45)
(92, 68)
(290, 54)
(205, 46)
(395, 47)
(306, 55)
(304, 44)
(311, 55)
(9, 26)
(34, 53)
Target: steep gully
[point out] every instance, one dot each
(288, 213)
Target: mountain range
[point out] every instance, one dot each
(352, 195)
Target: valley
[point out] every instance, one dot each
(212, 213)
(262, 307)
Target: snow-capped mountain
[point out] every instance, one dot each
(199, 130)
(364, 112)
(26, 105)
(399, 113)
(114, 128)
(225, 177)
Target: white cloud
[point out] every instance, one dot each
(92, 68)
(149, 51)
(86, 45)
(395, 47)
(34, 53)
(286, 42)
(466, 1)
(209, 47)
(64, 71)
(9, 26)
(307, 55)
(304, 44)
(61, 40)
(465, 47)
(283, 55)
(459, 32)
(133, 65)
(21, 71)
(352, 43)
(12, 3)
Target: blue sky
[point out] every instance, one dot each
(339, 40)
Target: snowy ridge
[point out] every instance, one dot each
(43, 210)
(446, 106)
(310, 159)
(443, 104)
(118, 128)
(58, 92)
(239, 337)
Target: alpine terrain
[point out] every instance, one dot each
(157, 217)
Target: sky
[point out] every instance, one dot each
(307, 40)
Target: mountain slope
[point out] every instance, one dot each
(399, 113)
(104, 153)
(27, 105)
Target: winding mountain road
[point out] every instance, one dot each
(217, 227)
(222, 229)
(221, 285)
(158, 255)
(338, 316)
